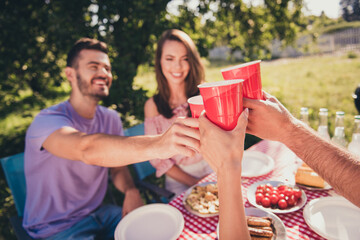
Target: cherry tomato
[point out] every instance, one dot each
(282, 204)
(289, 192)
(282, 188)
(260, 190)
(291, 201)
(281, 196)
(268, 185)
(274, 199)
(297, 193)
(268, 190)
(265, 202)
(259, 197)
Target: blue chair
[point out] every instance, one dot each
(13, 167)
(152, 192)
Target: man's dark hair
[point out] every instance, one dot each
(81, 44)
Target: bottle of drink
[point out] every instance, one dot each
(323, 123)
(354, 145)
(304, 115)
(339, 133)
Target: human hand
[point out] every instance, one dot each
(132, 201)
(222, 149)
(181, 138)
(269, 119)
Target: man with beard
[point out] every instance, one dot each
(70, 147)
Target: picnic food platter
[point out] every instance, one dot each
(202, 199)
(294, 197)
(263, 225)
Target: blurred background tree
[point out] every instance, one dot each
(350, 10)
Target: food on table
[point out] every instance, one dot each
(204, 199)
(281, 197)
(306, 176)
(258, 221)
(260, 227)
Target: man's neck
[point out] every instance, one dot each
(84, 106)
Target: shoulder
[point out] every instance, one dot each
(150, 109)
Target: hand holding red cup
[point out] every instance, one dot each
(223, 102)
(250, 72)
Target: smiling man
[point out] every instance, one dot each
(71, 146)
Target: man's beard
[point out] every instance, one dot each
(85, 89)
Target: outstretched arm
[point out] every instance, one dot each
(113, 151)
(223, 150)
(269, 119)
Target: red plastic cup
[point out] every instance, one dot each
(196, 106)
(250, 72)
(223, 102)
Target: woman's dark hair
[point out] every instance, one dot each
(195, 77)
(81, 44)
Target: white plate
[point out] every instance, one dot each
(280, 230)
(154, 222)
(256, 164)
(251, 197)
(333, 218)
(326, 187)
(187, 207)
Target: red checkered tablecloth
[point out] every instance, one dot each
(286, 164)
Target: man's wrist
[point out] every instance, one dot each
(132, 190)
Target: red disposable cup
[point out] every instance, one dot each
(196, 105)
(223, 102)
(250, 72)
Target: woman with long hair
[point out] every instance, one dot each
(178, 70)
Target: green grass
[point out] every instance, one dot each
(313, 82)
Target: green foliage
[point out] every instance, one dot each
(240, 26)
(352, 55)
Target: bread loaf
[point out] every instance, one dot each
(306, 176)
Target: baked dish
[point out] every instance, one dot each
(203, 199)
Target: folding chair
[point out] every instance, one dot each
(13, 167)
(152, 192)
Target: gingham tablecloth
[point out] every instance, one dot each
(286, 164)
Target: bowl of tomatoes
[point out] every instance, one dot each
(276, 196)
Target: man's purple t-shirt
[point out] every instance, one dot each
(60, 192)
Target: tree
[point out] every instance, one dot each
(242, 26)
(350, 10)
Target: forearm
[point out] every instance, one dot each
(334, 164)
(122, 179)
(179, 175)
(113, 151)
(233, 223)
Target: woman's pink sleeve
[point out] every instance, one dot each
(153, 127)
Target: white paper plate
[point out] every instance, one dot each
(187, 207)
(326, 187)
(256, 164)
(280, 230)
(333, 218)
(251, 197)
(152, 222)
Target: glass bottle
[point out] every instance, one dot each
(304, 115)
(339, 132)
(354, 145)
(323, 123)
